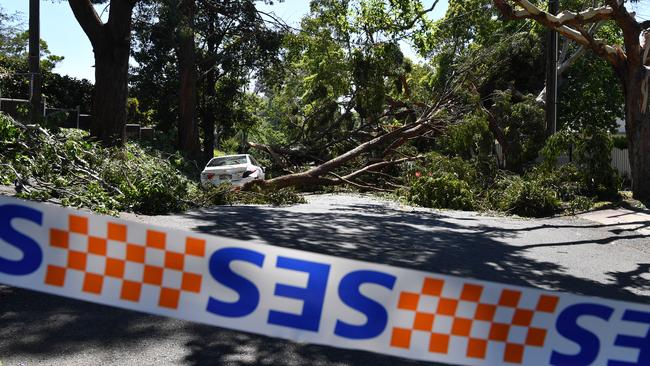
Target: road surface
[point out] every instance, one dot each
(608, 257)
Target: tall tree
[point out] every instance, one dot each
(629, 62)
(188, 132)
(111, 43)
(194, 59)
(507, 59)
(237, 44)
(35, 96)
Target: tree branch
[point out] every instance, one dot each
(613, 54)
(379, 165)
(590, 15)
(88, 18)
(631, 30)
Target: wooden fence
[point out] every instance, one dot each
(621, 162)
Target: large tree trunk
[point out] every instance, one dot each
(110, 95)
(211, 93)
(188, 132)
(637, 127)
(112, 45)
(208, 118)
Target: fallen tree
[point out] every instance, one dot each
(431, 120)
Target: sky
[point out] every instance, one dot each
(65, 37)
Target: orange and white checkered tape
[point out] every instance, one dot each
(309, 297)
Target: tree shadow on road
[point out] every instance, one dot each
(430, 242)
(440, 243)
(238, 348)
(33, 323)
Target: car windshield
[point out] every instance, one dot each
(228, 160)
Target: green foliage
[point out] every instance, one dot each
(136, 115)
(214, 195)
(590, 95)
(523, 127)
(148, 183)
(446, 191)
(224, 194)
(233, 43)
(275, 197)
(528, 198)
(284, 197)
(619, 141)
(436, 165)
(62, 91)
(580, 204)
(592, 148)
(340, 73)
(470, 138)
(455, 183)
(442, 182)
(58, 91)
(68, 168)
(566, 181)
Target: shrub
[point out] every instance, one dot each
(469, 138)
(527, 198)
(445, 191)
(437, 165)
(592, 152)
(68, 168)
(620, 141)
(580, 203)
(224, 194)
(148, 183)
(567, 181)
(522, 123)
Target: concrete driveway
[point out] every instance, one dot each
(574, 254)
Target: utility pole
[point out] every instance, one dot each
(551, 73)
(35, 60)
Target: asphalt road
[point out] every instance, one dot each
(568, 254)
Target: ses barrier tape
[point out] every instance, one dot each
(309, 297)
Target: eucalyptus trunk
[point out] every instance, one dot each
(637, 128)
(111, 92)
(188, 132)
(111, 43)
(209, 121)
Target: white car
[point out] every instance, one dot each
(236, 169)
